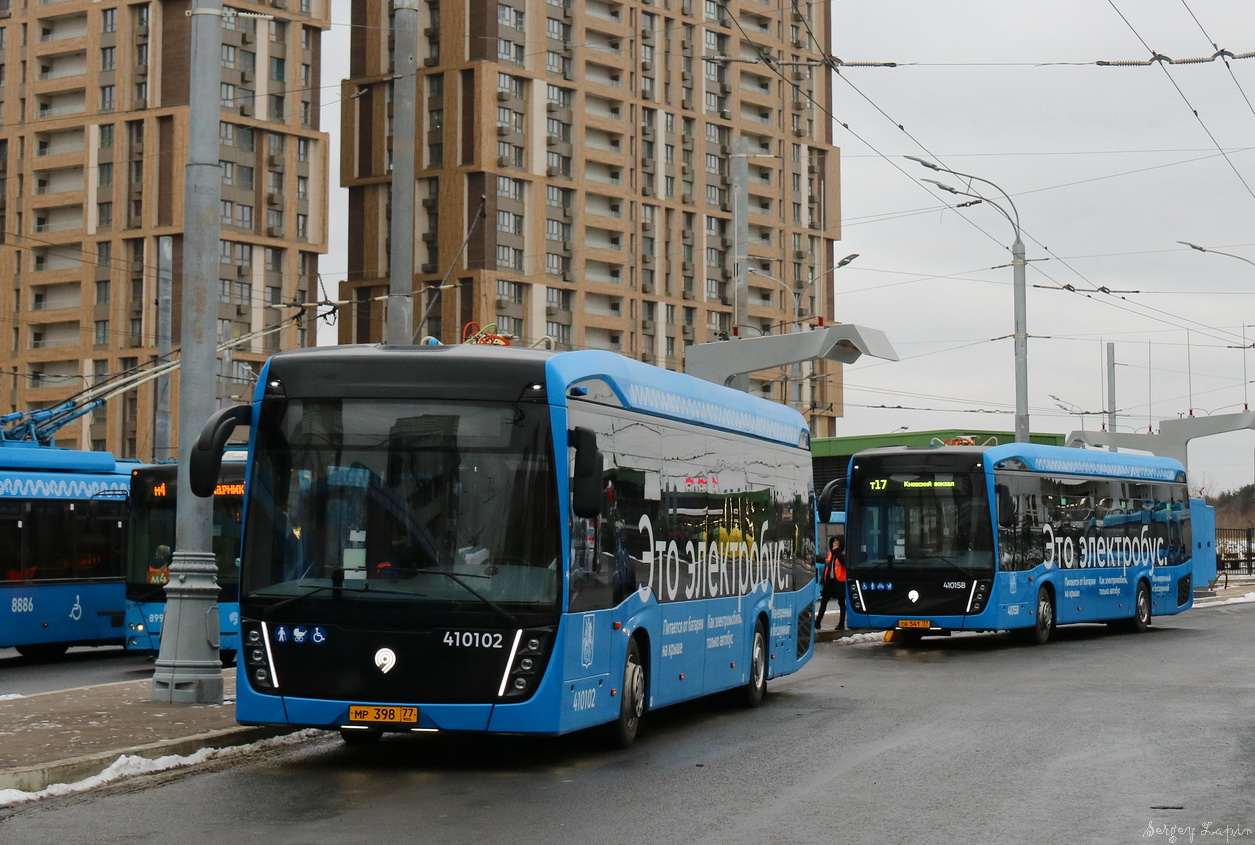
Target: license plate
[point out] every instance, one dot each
(377, 713)
(913, 623)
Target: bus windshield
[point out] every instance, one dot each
(369, 506)
(918, 517)
(151, 544)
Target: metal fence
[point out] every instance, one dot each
(1235, 550)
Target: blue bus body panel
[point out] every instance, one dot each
(84, 613)
(151, 615)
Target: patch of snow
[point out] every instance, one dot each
(129, 765)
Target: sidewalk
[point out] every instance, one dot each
(68, 735)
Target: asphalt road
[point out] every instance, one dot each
(79, 667)
(1094, 738)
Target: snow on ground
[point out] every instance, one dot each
(129, 765)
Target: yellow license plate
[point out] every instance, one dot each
(914, 623)
(377, 713)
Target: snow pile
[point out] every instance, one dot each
(1247, 598)
(129, 765)
(9, 696)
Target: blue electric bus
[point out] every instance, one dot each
(151, 544)
(484, 538)
(1015, 537)
(62, 545)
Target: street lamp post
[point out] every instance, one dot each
(1020, 333)
(1244, 381)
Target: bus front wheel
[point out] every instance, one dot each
(631, 699)
(756, 687)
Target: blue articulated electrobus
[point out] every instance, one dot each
(151, 545)
(62, 546)
(481, 538)
(1015, 537)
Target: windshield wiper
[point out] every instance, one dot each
(312, 589)
(457, 579)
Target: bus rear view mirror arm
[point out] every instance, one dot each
(826, 497)
(205, 459)
(586, 481)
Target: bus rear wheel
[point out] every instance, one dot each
(42, 651)
(756, 688)
(1141, 610)
(631, 699)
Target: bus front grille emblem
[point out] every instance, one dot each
(385, 659)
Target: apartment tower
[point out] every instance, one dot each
(574, 166)
(93, 135)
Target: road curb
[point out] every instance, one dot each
(38, 778)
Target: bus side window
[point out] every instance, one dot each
(1006, 506)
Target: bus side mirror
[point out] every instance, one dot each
(586, 481)
(825, 499)
(1006, 506)
(205, 460)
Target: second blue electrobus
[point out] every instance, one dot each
(151, 547)
(1015, 537)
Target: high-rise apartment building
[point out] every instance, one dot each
(574, 164)
(93, 139)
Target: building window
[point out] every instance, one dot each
(509, 257)
(107, 97)
(109, 20)
(302, 226)
(558, 298)
(100, 333)
(560, 332)
(104, 214)
(508, 221)
(104, 174)
(302, 149)
(228, 56)
(228, 172)
(226, 94)
(276, 102)
(244, 216)
(511, 188)
(108, 58)
(302, 187)
(278, 69)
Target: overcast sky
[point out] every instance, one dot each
(1108, 166)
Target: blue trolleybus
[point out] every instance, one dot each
(151, 545)
(62, 546)
(481, 538)
(1017, 536)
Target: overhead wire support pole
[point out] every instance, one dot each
(188, 668)
(399, 325)
(1020, 297)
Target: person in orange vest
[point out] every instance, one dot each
(833, 584)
